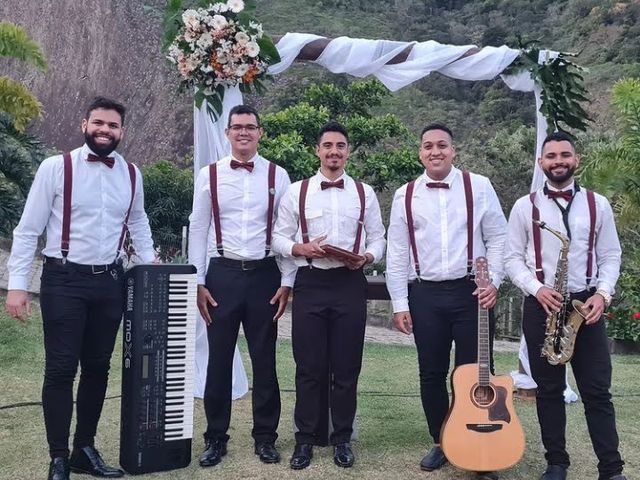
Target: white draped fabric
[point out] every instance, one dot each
(209, 145)
(360, 58)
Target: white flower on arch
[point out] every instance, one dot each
(235, 6)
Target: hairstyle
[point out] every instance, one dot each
(106, 104)
(437, 126)
(559, 137)
(243, 110)
(332, 126)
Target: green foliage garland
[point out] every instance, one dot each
(562, 87)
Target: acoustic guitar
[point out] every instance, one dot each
(482, 431)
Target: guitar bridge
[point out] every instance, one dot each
(484, 427)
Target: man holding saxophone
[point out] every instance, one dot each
(562, 245)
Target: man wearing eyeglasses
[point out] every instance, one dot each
(234, 207)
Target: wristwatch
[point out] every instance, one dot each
(606, 295)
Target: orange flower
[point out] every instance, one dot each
(213, 59)
(250, 75)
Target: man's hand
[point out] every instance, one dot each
(403, 322)
(309, 250)
(364, 259)
(550, 300)
(18, 305)
(204, 300)
(282, 297)
(594, 308)
(487, 297)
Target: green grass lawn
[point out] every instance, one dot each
(391, 423)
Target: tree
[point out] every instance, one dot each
(168, 196)
(382, 151)
(19, 155)
(19, 151)
(15, 99)
(612, 167)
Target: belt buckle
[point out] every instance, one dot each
(247, 265)
(101, 269)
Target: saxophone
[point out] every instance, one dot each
(562, 327)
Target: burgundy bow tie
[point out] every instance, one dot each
(565, 194)
(108, 161)
(248, 166)
(338, 184)
(437, 185)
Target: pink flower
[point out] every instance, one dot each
(636, 315)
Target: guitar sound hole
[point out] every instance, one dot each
(484, 396)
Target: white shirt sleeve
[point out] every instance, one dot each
(284, 232)
(373, 226)
(517, 242)
(286, 264)
(138, 224)
(607, 250)
(35, 217)
(494, 227)
(199, 223)
(398, 255)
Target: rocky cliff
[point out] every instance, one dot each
(109, 48)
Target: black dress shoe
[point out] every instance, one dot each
(302, 455)
(618, 477)
(88, 460)
(433, 460)
(342, 455)
(59, 469)
(487, 476)
(267, 452)
(554, 472)
(213, 453)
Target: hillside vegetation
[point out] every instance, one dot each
(115, 50)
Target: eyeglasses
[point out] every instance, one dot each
(248, 128)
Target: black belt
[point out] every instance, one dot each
(244, 264)
(93, 269)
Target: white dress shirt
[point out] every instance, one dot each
(333, 212)
(520, 260)
(243, 200)
(440, 223)
(99, 203)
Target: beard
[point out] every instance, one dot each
(100, 150)
(560, 178)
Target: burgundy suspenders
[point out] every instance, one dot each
(468, 195)
(537, 246)
(215, 206)
(66, 205)
(304, 187)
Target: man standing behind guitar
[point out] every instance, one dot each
(592, 275)
(439, 223)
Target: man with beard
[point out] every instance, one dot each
(329, 306)
(440, 223)
(531, 261)
(84, 200)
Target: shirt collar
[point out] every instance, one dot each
(448, 179)
(85, 151)
(322, 178)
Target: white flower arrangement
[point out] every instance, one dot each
(219, 46)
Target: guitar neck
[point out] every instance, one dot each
(484, 371)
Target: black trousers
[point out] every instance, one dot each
(591, 365)
(243, 297)
(443, 312)
(81, 314)
(328, 323)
